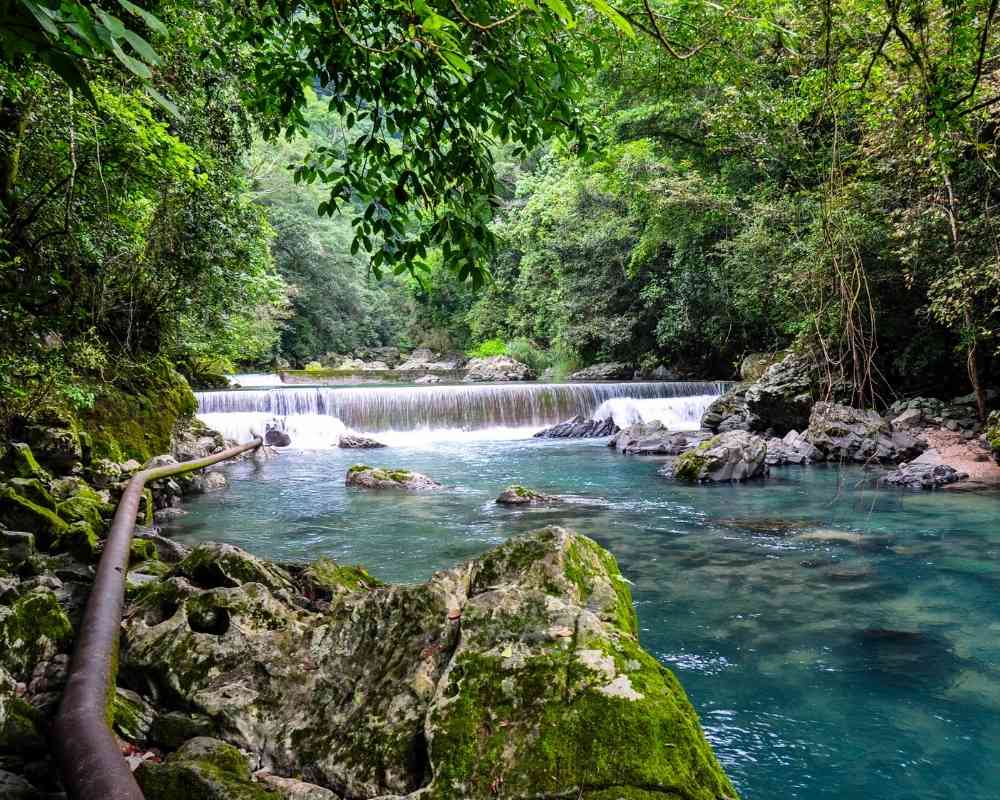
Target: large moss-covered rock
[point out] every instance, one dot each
(56, 444)
(364, 477)
(518, 674)
(51, 531)
(139, 423)
(730, 456)
(203, 769)
(20, 462)
(212, 565)
(32, 628)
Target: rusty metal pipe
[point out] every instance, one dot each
(90, 761)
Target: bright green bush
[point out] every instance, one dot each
(314, 366)
(491, 347)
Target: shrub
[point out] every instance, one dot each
(525, 351)
(491, 347)
(314, 366)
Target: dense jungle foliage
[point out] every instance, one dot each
(672, 182)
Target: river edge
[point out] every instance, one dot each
(82, 508)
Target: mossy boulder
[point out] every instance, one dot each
(20, 462)
(517, 495)
(138, 423)
(57, 445)
(365, 477)
(172, 728)
(328, 578)
(131, 715)
(202, 769)
(51, 531)
(34, 627)
(518, 674)
(212, 565)
(34, 490)
(19, 512)
(733, 456)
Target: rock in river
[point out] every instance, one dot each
(519, 674)
(730, 456)
(365, 477)
(523, 496)
(580, 428)
(355, 442)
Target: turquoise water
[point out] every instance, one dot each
(838, 642)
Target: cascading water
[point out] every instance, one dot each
(315, 417)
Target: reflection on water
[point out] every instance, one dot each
(839, 642)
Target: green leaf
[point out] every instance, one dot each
(68, 69)
(560, 8)
(114, 25)
(457, 63)
(601, 7)
(132, 64)
(163, 102)
(142, 47)
(43, 16)
(150, 19)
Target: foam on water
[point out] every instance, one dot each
(677, 413)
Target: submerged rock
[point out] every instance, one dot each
(355, 442)
(365, 477)
(580, 428)
(730, 456)
(517, 495)
(518, 674)
(497, 368)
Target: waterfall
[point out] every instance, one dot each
(315, 416)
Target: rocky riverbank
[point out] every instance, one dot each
(518, 673)
(775, 419)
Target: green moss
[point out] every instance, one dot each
(138, 423)
(131, 716)
(33, 626)
(21, 726)
(215, 771)
(20, 462)
(145, 515)
(82, 508)
(142, 550)
(329, 576)
(547, 726)
(993, 432)
(689, 465)
(19, 513)
(34, 490)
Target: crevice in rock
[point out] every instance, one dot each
(209, 575)
(211, 619)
